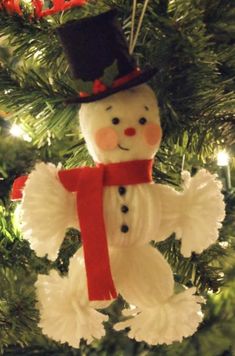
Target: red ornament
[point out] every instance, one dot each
(13, 7)
(38, 5)
(61, 5)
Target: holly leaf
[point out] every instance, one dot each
(84, 86)
(110, 73)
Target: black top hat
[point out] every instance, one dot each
(95, 43)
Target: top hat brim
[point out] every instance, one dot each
(142, 78)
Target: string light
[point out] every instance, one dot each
(222, 158)
(17, 131)
(225, 174)
(223, 244)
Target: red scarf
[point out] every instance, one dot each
(88, 183)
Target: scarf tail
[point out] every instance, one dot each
(90, 211)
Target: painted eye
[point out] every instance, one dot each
(142, 121)
(115, 121)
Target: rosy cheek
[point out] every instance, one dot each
(152, 134)
(106, 138)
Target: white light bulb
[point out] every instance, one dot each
(222, 158)
(16, 130)
(223, 244)
(17, 217)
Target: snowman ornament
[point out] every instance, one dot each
(117, 208)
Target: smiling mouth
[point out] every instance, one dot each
(123, 148)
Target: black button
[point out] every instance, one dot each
(124, 209)
(122, 190)
(124, 228)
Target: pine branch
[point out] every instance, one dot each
(190, 42)
(32, 39)
(202, 271)
(18, 316)
(176, 43)
(40, 104)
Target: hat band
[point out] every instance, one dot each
(100, 87)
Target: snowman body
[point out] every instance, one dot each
(126, 128)
(120, 128)
(132, 214)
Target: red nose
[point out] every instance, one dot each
(130, 131)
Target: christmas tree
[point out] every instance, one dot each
(192, 45)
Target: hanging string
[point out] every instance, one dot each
(132, 24)
(132, 47)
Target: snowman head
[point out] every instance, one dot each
(122, 127)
